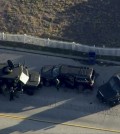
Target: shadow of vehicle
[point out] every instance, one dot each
(51, 105)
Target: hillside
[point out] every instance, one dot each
(91, 22)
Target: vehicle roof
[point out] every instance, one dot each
(46, 71)
(16, 72)
(83, 71)
(47, 68)
(107, 91)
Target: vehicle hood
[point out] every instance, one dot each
(46, 71)
(34, 79)
(107, 92)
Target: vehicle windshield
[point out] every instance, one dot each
(47, 68)
(55, 71)
(115, 83)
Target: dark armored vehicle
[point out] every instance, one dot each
(18, 75)
(71, 76)
(110, 92)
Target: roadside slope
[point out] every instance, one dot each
(91, 22)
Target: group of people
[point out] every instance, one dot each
(13, 91)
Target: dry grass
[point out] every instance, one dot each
(84, 21)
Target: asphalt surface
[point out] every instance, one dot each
(60, 109)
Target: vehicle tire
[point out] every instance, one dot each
(65, 89)
(30, 92)
(113, 103)
(40, 85)
(3, 89)
(47, 83)
(80, 89)
(63, 85)
(87, 91)
(101, 100)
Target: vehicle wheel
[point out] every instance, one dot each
(101, 100)
(80, 89)
(63, 85)
(30, 92)
(113, 103)
(118, 100)
(47, 83)
(87, 91)
(41, 84)
(65, 89)
(4, 89)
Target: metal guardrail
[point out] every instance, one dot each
(27, 39)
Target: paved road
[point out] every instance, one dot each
(42, 128)
(63, 107)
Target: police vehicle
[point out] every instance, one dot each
(70, 76)
(18, 75)
(110, 92)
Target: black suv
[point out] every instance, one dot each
(110, 92)
(70, 76)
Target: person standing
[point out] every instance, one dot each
(15, 88)
(57, 84)
(11, 93)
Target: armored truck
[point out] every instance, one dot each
(19, 76)
(80, 78)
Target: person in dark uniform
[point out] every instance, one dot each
(11, 93)
(15, 88)
(57, 84)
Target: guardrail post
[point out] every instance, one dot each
(103, 50)
(24, 38)
(48, 42)
(73, 45)
(3, 36)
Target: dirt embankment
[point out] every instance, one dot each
(91, 22)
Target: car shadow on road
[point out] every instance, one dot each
(55, 106)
